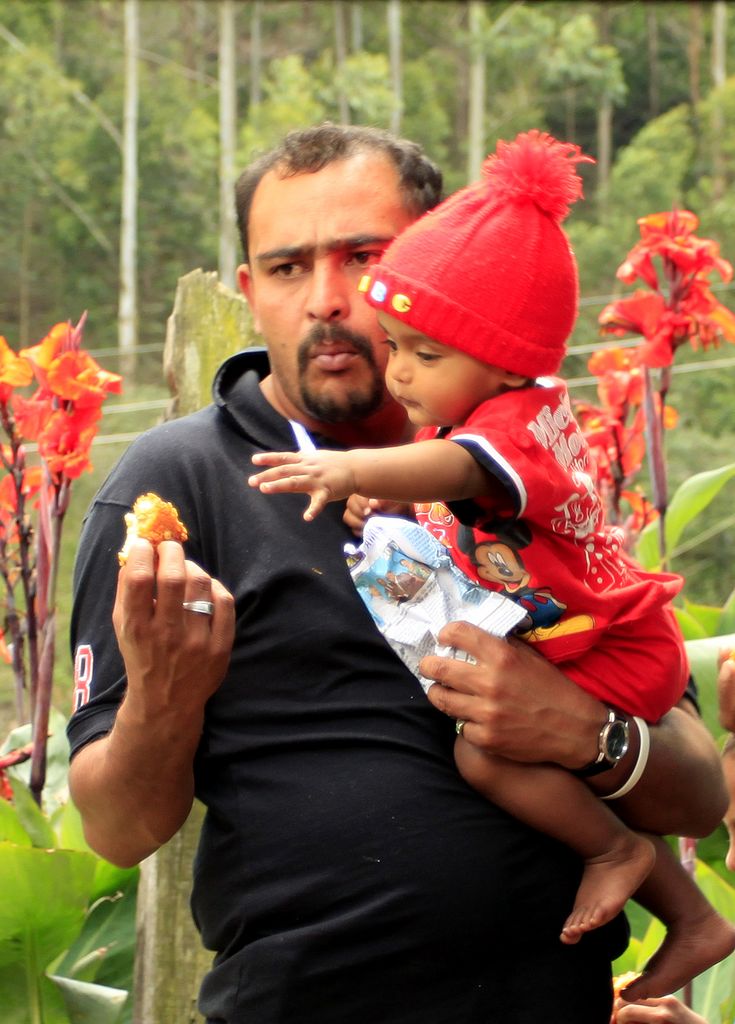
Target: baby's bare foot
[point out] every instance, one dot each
(607, 884)
(690, 947)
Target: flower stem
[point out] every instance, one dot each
(656, 461)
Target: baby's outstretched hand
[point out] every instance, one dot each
(325, 475)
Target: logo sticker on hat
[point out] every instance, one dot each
(401, 303)
(379, 292)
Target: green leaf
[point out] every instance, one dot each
(717, 985)
(55, 791)
(727, 622)
(45, 896)
(691, 498)
(31, 816)
(87, 1003)
(21, 1004)
(105, 948)
(703, 656)
(108, 878)
(11, 829)
(697, 621)
(629, 959)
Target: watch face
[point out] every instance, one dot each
(616, 741)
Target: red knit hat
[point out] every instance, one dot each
(490, 271)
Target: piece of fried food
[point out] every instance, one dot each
(154, 520)
(619, 983)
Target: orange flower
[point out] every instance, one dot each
(32, 480)
(66, 439)
(5, 654)
(15, 370)
(689, 311)
(58, 339)
(642, 512)
(77, 377)
(639, 313)
(31, 414)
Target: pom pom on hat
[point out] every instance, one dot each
(490, 271)
(537, 168)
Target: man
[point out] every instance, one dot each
(345, 872)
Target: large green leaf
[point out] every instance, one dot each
(691, 498)
(55, 791)
(108, 878)
(717, 985)
(42, 1004)
(45, 894)
(702, 656)
(105, 948)
(87, 1003)
(727, 621)
(708, 616)
(31, 817)
(11, 828)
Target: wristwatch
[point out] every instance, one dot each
(612, 744)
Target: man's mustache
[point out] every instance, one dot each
(320, 333)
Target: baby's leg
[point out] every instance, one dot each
(696, 935)
(553, 801)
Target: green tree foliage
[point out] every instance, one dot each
(61, 98)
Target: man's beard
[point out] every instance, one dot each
(353, 405)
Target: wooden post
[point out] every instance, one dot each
(208, 323)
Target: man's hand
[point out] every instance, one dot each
(324, 475)
(726, 689)
(516, 704)
(134, 787)
(174, 658)
(664, 1010)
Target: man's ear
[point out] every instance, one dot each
(245, 282)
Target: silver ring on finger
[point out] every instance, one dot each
(459, 726)
(200, 607)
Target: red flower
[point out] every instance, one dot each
(31, 414)
(642, 512)
(66, 370)
(66, 439)
(684, 309)
(77, 377)
(639, 313)
(15, 370)
(30, 486)
(5, 654)
(615, 430)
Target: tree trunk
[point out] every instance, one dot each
(396, 69)
(604, 123)
(654, 69)
(227, 144)
(356, 26)
(719, 76)
(340, 53)
(476, 92)
(256, 12)
(128, 298)
(695, 45)
(208, 323)
(24, 275)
